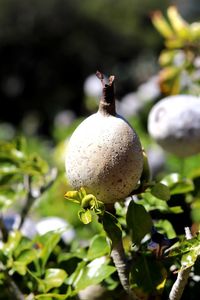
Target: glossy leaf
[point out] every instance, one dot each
(73, 196)
(98, 247)
(178, 184)
(12, 243)
(27, 256)
(138, 221)
(50, 296)
(53, 278)
(25, 244)
(152, 203)
(89, 201)
(85, 216)
(161, 191)
(186, 246)
(93, 273)
(189, 258)
(112, 228)
(165, 227)
(19, 267)
(48, 242)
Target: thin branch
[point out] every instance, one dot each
(13, 289)
(3, 229)
(31, 198)
(119, 259)
(182, 278)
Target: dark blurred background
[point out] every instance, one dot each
(49, 47)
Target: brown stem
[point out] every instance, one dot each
(3, 229)
(107, 101)
(13, 289)
(119, 259)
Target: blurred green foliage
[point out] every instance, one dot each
(48, 48)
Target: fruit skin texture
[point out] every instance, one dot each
(174, 123)
(105, 157)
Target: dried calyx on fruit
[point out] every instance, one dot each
(104, 153)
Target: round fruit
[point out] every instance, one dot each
(174, 123)
(104, 153)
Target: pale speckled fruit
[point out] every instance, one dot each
(105, 157)
(174, 123)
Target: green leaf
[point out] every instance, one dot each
(165, 227)
(112, 228)
(27, 256)
(138, 221)
(5, 202)
(85, 216)
(48, 242)
(12, 243)
(19, 267)
(7, 168)
(186, 246)
(161, 191)
(80, 253)
(178, 184)
(98, 247)
(150, 203)
(148, 274)
(50, 296)
(89, 201)
(53, 278)
(73, 196)
(25, 244)
(189, 258)
(93, 273)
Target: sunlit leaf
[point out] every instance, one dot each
(150, 203)
(165, 227)
(188, 259)
(162, 25)
(161, 191)
(179, 25)
(166, 57)
(5, 202)
(27, 256)
(85, 216)
(178, 184)
(12, 243)
(98, 247)
(93, 273)
(48, 242)
(53, 278)
(19, 267)
(50, 296)
(73, 196)
(186, 246)
(89, 201)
